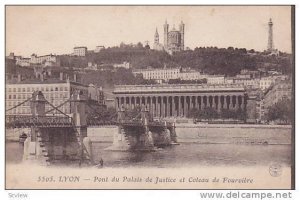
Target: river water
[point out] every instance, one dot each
(182, 155)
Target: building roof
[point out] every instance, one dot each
(80, 47)
(38, 81)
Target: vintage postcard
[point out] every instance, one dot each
(149, 97)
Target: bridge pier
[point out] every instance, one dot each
(78, 110)
(62, 141)
(34, 148)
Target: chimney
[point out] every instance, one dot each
(61, 76)
(75, 77)
(19, 78)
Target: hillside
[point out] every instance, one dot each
(209, 60)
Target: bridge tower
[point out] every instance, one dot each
(78, 109)
(34, 149)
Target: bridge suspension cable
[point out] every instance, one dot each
(56, 107)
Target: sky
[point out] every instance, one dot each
(58, 29)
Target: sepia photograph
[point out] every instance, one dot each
(149, 97)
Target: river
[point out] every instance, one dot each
(182, 155)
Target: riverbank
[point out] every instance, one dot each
(214, 133)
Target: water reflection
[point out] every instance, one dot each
(183, 155)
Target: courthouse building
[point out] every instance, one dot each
(177, 100)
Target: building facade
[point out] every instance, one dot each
(55, 91)
(80, 51)
(215, 79)
(173, 39)
(189, 75)
(177, 100)
(158, 74)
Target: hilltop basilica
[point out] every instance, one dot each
(173, 39)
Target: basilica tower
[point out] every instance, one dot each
(156, 37)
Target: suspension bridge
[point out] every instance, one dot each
(63, 137)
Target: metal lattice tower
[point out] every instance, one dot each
(270, 38)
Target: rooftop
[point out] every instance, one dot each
(178, 88)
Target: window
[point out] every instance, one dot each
(19, 89)
(28, 89)
(56, 88)
(9, 96)
(14, 90)
(9, 89)
(23, 89)
(14, 96)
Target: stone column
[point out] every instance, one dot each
(150, 106)
(243, 102)
(219, 103)
(173, 107)
(231, 104)
(168, 107)
(179, 106)
(162, 110)
(130, 106)
(134, 102)
(191, 102)
(156, 106)
(213, 105)
(185, 106)
(202, 103)
(225, 103)
(196, 102)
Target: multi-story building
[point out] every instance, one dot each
(215, 79)
(248, 82)
(42, 59)
(158, 74)
(47, 60)
(23, 62)
(189, 75)
(80, 51)
(55, 91)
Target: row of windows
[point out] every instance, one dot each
(32, 89)
(14, 103)
(47, 96)
(28, 110)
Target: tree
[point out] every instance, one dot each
(282, 111)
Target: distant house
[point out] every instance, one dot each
(80, 51)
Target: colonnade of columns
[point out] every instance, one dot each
(179, 106)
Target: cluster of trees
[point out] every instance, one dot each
(98, 114)
(108, 79)
(209, 113)
(211, 60)
(281, 112)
